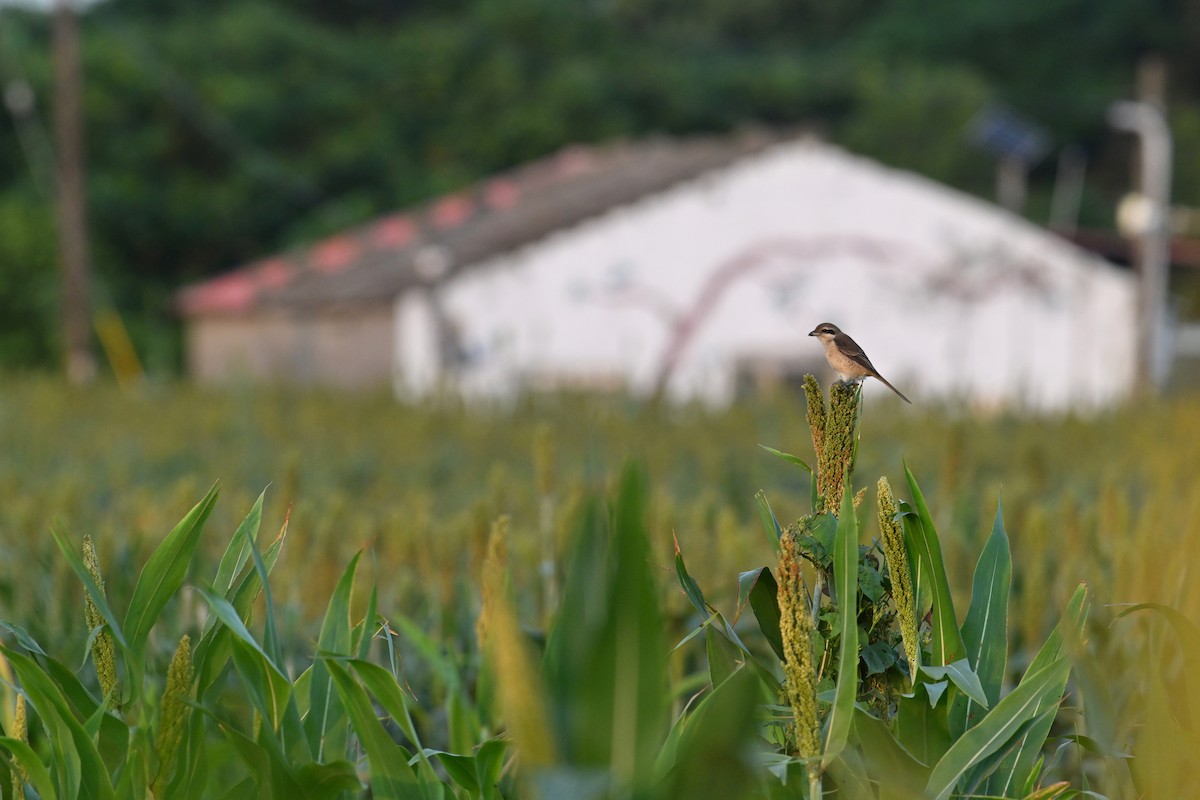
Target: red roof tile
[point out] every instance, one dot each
(335, 254)
(229, 293)
(452, 211)
(274, 273)
(397, 230)
(374, 262)
(502, 194)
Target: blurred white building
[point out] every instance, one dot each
(691, 267)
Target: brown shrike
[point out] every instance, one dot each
(847, 358)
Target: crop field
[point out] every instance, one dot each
(275, 593)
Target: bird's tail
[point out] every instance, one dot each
(883, 380)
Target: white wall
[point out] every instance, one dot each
(949, 295)
(417, 367)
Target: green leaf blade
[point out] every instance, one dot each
(77, 763)
(722, 656)
(237, 551)
(962, 676)
(845, 573)
(1014, 769)
(985, 630)
(690, 588)
(947, 646)
(323, 723)
(391, 777)
(759, 589)
(766, 516)
(24, 755)
(995, 730)
(164, 572)
(789, 458)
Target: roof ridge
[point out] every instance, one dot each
(584, 179)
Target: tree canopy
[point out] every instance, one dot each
(222, 130)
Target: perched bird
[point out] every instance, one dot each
(847, 358)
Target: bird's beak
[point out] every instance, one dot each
(812, 333)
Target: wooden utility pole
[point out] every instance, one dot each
(72, 212)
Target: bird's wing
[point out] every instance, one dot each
(852, 351)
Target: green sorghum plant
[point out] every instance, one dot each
(892, 534)
(796, 629)
(504, 644)
(172, 714)
(493, 581)
(103, 648)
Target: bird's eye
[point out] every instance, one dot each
(826, 330)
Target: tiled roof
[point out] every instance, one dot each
(375, 262)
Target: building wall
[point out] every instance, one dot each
(341, 349)
(353, 350)
(221, 349)
(949, 295)
(722, 277)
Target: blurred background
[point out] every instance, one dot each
(341, 186)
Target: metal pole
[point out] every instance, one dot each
(1154, 139)
(72, 213)
(1068, 189)
(1011, 179)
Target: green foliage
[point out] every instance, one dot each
(28, 287)
(926, 111)
(930, 578)
(985, 630)
(1172, 694)
(845, 576)
(325, 686)
(950, 733)
(89, 750)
